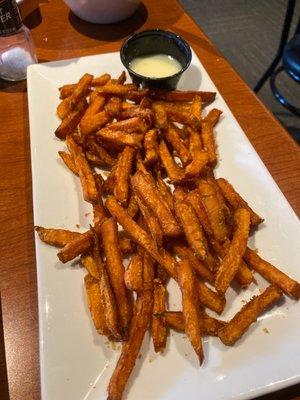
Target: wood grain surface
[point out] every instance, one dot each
(58, 34)
(4, 394)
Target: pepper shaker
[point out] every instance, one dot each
(17, 50)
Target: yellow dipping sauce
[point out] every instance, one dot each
(155, 65)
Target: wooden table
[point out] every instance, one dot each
(58, 34)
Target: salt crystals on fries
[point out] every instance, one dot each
(178, 221)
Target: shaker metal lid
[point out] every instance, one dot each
(10, 19)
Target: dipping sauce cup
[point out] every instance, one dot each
(153, 42)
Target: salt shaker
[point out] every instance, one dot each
(16, 45)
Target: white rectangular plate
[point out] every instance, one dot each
(76, 363)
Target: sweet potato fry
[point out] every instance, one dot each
(126, 106)
(164, 191)
(144, 113)
(190, 306)
(195, 141)
(194, 168)
(110, 182)
(133, 277)
(133, 207)
(112, 81)
(114, 107)
(140, 166)
(93, 122)
(196, 107)
(199, 157)
(68, 161)
(124, 165)
(185, 118)
(67, 90)
(162, 274)
(168, 263)
(174, 171)
(185, 252)
(208, 173)
(175, 142)
(209, 298)
(209, 144)
(150, 218)
(115, 268)
(80, 90)
(99, 213)
(236, 201)
(63, 108)
(187, 209)
(191, 227)
(213, 209)
(131, 348)
(85, 173)
(96, 104)
(213, 116)
(230, 263)
(99, 181)
(148, 271)
(78, 245)
(151, 147)
(78, 137)
(227, 211)
(185, 96)
(238, 325)
(120, 138)
(106, 293)
(94, 160)
(243, 275)
(208, 259)
(100, 152)
(171, 106)
(100, 80)
(175, 320)
(185, 140)
(95, 304)
(126, 245)
(211, 326)
(116, 89)
(70, 122)
(158, 328)
(272, 274)
(146, 103)
(178, 194)
(122, 78)
(193, 198)
(151, 196)
(136, 95)
(109, 305)
(151, 221)
(90, 265)
(56, 237)
(160, 116)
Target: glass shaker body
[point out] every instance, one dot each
(17, 50)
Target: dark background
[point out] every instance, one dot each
(247, 32)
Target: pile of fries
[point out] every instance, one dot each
(178, 221)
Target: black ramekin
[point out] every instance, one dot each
(156, 41)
